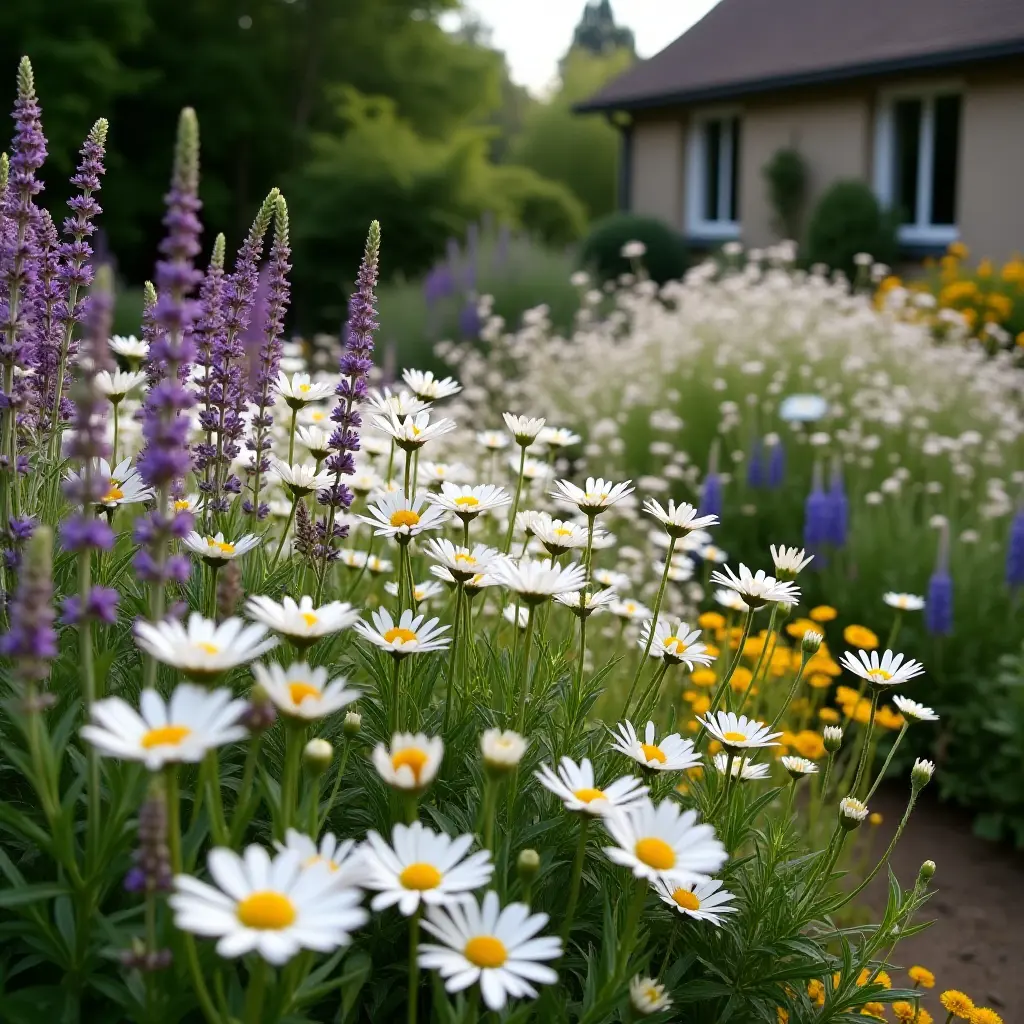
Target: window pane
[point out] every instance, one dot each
(734, 178)
(712, 160)
(947, 139)
(907, 126)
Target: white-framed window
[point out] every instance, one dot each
(917, 151)
(713, 175)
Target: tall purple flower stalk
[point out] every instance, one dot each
(838, 507)
(48, 332)
(356, 363)
(938, 609)
(755, 465)
(166, 458)
(777, 465)
(31, 641)
(711, 490)
(1015, 551)
(817, 513)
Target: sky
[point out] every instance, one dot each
(535, 33)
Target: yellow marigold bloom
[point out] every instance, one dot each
(957, 1003)
(754, 646)
(881, 978)
(711, 620)
(714, 747)
(809, 744)
(970, 316)
(798, 627)
(924, 1017)
(683, 788)
(829, 716)
(697, 771)
(958, 250)
(787, 738)
(862, 711)
(781, 1015)
(888, 719)
(816, 992)
(876, 1010)
(823, 662)
(692, 725)
(690, 696)
(860, 636)
(741, 679)
(904, 1011)
(985, 268)
(921, 976)
(983, 1015)
(798, 705)
(888, 283)
(874, 818)
(819, 680)
(712, 650)
(1001, 305)
(701, 705)
(703, 677)
(1013, 270)
(846, 695)
(823, 613)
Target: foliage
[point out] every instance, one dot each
(546, 210)
(785, 174)
(848, 220)
(665, 258)
(598, 32)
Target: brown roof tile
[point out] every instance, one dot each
(744, 46)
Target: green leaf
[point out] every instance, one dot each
(28, 894)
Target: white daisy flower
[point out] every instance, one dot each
(187, 504)
(302, 623)
(742, 768)
(889, 670)
(494, 440)
(497, 948)
(216, 551)
(852, 812)
(678, 519)
(180, 730)
(125, 486)
(428, 388)
(392, 516)
(272, 907)
(524, 428)
(711, 553)
(671, 754)
(664, 842)
(559, 536)
(904, 602)
(410, 635)
(533, 469)
(798, 766)
(594, 497)
(421, 866)
(757, 588)
(118, 384)
(574, 785)
(536, 580)
(299, 390)
(438, 472)
(202, 648)
(630, 610)
(129, 348)
(705, 901)
(343, 858)
(558, 437)
(303, 692)
(462, 563)
(378, 565)
(316, 440)
(586, 603)
(364, 480)
(420, 592)
(468, 502)
(647, 996)
(676, 643)
(473, 585)
(914, 712)
(411, 762)
(790, 560)
(517, 615)
(731, 600)
(612, 579)
(298, 479)
(413, 431)
(502, 749)
(737, 733)
(401, 404)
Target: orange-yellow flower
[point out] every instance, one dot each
(860, 636)
(711, 620)
(823, 613)
(957, 1003)
(921, 976)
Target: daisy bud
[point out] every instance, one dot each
(921, 773)
(527, 865)
(851, 813)
(927, 871)
(502, 750)
(832, 737)
(317, 756)
(811, 642)
(353, 723)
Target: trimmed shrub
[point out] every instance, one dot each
(847, 220)
(546, 210)
(665, 259)
(786, 178)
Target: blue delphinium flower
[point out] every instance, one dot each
(1015, 551)
(938, 609)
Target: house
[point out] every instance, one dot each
(923, 99)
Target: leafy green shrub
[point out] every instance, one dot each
(546, 210)
(665, 258)
(786, 177)
(847, 220)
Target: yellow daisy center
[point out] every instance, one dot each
(467, 501)
(221, 545)
(686, 899)
(562, 532)
(588, 795)
(300, 691)
(465, 559)
(420, 876)
(879, 675)
(181, 505)
(114, 492)
(404, 517)
(655, 853)
(304, 388)
(309, 618)
(399, 635)
(266, 911)
(207, 648)
(411, 757)
(652, 994)
(165, 736)
(318, 416)
(652, 752)
(734, 737)
(485, 951)
(675, 645)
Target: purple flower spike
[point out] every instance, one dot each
(938, 609)
(817, 513)
(777, 465)
(32, 641)
(1015, 551)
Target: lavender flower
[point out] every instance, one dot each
(817, 513)
(777, 465)
(838, 507)
(151, 871)
(755, 465)
(1015, 551)
(711, 489)
(938, 609)
(31, 641)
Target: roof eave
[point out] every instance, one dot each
(732, 90)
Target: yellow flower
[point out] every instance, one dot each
(689, 696)
(860, 636)
(958, 250)
(1013, 270)
(823, 662)
(816, 992)
(921, 976)
(712, 650)
(781, 1015)
(874, 818)
(823, 613)
(798, 627)
(846, 695)
(876, 1010)
(924, 1017)
(829, 716)
(754, 646)
(985, 268)
(703, 677)
(1001, 305)
(714, 747)
(970, 317)
(693, 725)
(1020, 339)
(904, 1011)
(881, 978)
(862, 711)
(957, 1003)
(809, 744)
(888, 719)
(983, 1015)
(819, 680)
(711, 620)
(701, 705)
(741, 679)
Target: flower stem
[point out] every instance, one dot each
(524, 683)
(395, 672)
(653, 688)
(337, 785)
(577, 874)
(790, 695)
(290, 777)
(239, 817)
(636, 909)
(723, 686)
(255, 991)
(654, 623)
(173, 817)
(515, 501)
(867, 740)
(888, 760)
(453, 657)
(284, 533)
(768, 641)
(414, 967)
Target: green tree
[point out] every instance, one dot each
(598, 32)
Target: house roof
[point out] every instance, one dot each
(748, 46)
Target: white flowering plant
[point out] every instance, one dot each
(248, 780)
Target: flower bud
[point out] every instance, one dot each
(353, 723)
(811, 642)
(527, 865)
(921, 773)
(317, 756)
(502, 750)
(832, 737)
(261, 713)
(851, 813)
(927, 871)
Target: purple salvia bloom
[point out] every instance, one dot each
(1015, 551)
(776, 465)
(100, 606)
(755, 465)
(469, 320)
(817, 512)
(47, 300)
(938, 609)
(711, 489)
(31, 641)
(838, 507)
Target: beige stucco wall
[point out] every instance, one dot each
(991, 197)
(656, 186)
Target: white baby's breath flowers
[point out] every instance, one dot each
(300, 691)
(680, 519)
(428, 388)
(575, 786)
(914, 712)
(115, 386)
(675, 642)
(757, 589)
(790, 561)
(742, 768)
(851, 812)
(703, 901)
(392, 516)
(467, 502)
(412, 634)
(203, 649)
(298, 479)
(671, 753)
(523, 428)
(903, 602)
(299, 390)
(537, 580)
(414, 431)
(647, 996)
(737, 732)
(798, 767)
(596, 496)
(302, 622)
(411, 762)
(502, 749)
(216, 551)
(889, 670)
(180, 730)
